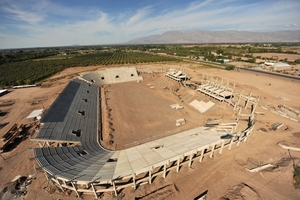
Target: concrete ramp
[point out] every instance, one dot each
(201, 106)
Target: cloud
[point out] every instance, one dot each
(52, 24)
(31, 11)
(141, 13)
(21, 15)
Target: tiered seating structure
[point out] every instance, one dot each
(216, 90)
(89, 168)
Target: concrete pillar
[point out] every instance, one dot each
(133, 180)
(75, 189)
(254, 106)
(46, 174)
(191, 159)
(62, 189)
(238, 102)
(248, 98)
(212, 151)
(178, 162)
(240, 110)
(239, 140)
(115, 189)
(246, 136)
(150, 177)
(231, 141)
(40, 144)
(231, 97)
(165, 171)
(222, 146)
(201, 156)
(94, 190)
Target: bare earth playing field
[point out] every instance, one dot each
(144, 112)
(139, 114)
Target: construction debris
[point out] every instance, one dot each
(277, 126)
(16, 134)
(16, 188)
(176, 106)
(180, 122)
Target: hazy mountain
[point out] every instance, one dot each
(200, 36)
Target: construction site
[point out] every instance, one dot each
(110, 133)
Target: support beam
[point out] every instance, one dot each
(248, 99)
(246, 136)
(62, 189)
(40, 144)
(212, 151)
(202, 155)
(75, 189)
(230, 144)
(191, 159)
(178, 162)
(238, 102)
(133, 180)
(222, 146)
(165, 171)
(150, 177)
(94, 190)
(115, 189)
(238, 142)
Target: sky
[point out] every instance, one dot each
(43, 23)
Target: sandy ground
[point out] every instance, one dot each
(223, 176)
(279, 56)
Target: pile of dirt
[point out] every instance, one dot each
(240, 192)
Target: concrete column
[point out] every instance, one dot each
(178, 162)
(165, 171)
(93, 187)
(231, 141)
(133, 180)
(191, 159)
(150, 177)
(201, 156)
(254, 106)
(246, 136)
(212, 151)
(115, 189)
(238, 101)
(62, 189)
(40, 144)
(240, 110)
(238, 143)
(75, 189)
(248, 98)
(222, 146)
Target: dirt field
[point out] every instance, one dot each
(224, 176)
(136, 113)
(279, 56)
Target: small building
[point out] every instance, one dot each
(276, 66)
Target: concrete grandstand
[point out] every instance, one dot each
(81, 164)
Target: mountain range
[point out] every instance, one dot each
(230, 36)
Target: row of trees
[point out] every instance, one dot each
(30, 71)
